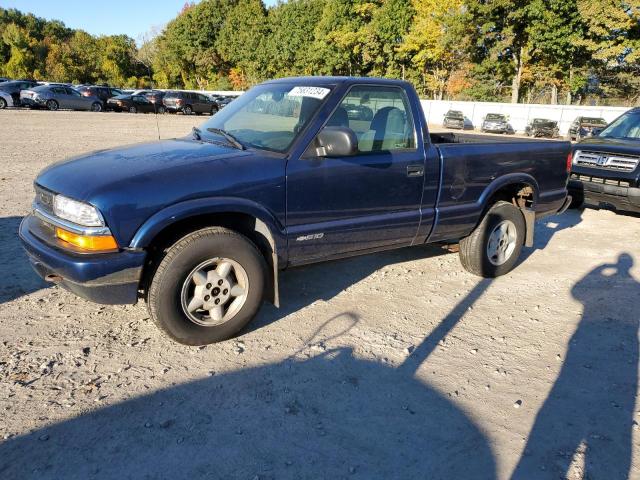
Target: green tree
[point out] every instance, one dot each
(241, 41)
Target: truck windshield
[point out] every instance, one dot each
(625, 126)
(268, 117)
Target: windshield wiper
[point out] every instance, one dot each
(228, 137)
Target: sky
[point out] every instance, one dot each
(108, 17)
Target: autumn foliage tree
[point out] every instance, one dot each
(497, 50)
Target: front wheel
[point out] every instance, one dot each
(208, 286)
(133, 109)
(96, 107)
(3, 103)
(52, 105)
(187, 110)
(161, 110)
(495, 244)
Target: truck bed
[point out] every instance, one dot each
(439, 138)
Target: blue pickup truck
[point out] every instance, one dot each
(200, 226)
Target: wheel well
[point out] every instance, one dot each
(519, 194)
(242, 223)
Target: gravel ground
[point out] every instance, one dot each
(395, 365)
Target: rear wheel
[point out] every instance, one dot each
(214, 110)
(495, 244)
(96, 107)
(3, 103)
(187, 110)
(161, 109)
(52, 105)
(208, 286)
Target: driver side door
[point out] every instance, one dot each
(362, 202)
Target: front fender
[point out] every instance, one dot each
(203, 206)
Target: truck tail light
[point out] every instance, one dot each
(569, 161)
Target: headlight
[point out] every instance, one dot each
(77, 212)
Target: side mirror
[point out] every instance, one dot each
(336, 142)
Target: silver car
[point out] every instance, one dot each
(54, 97)
(5, 100)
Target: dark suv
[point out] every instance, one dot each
(606, 167)
(189, 102)
(104, 93)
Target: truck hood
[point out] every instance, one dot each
(130, 184)
(609, 145)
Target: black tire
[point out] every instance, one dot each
(164, 294)
(187, 110)
(133, 109)
(161, 110)
(52, 105)
(473, 249)
(577, 200)
(3, 103)
(96, 107)
(214, 110)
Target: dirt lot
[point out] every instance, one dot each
(396, 365)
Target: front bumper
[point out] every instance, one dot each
(495, 129)
(30, 102)
(108, 278)
(596, 193)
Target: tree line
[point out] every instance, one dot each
(534, 51)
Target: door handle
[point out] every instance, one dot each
(415, 170)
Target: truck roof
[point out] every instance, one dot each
(319, 80)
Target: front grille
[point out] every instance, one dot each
(624, 163)
(601, 181)
(44, 199)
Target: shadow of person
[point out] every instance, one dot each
(17, 277)
(326, 416)
(586, 421)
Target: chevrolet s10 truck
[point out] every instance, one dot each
(200, 226)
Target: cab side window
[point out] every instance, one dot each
(380, 117)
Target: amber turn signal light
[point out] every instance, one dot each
(90, 243)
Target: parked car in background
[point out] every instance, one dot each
(154, 96)
(496, 123)
(104, 93)
(4, 79)
(5, 100)
(540, 127)
(189, 102)
(453, 119)
(54, 97)
(606, 167)
(586, 127)
(133, 104)
(14, 87)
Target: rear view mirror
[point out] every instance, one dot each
(336, 142)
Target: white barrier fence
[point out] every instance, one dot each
(519, 114)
